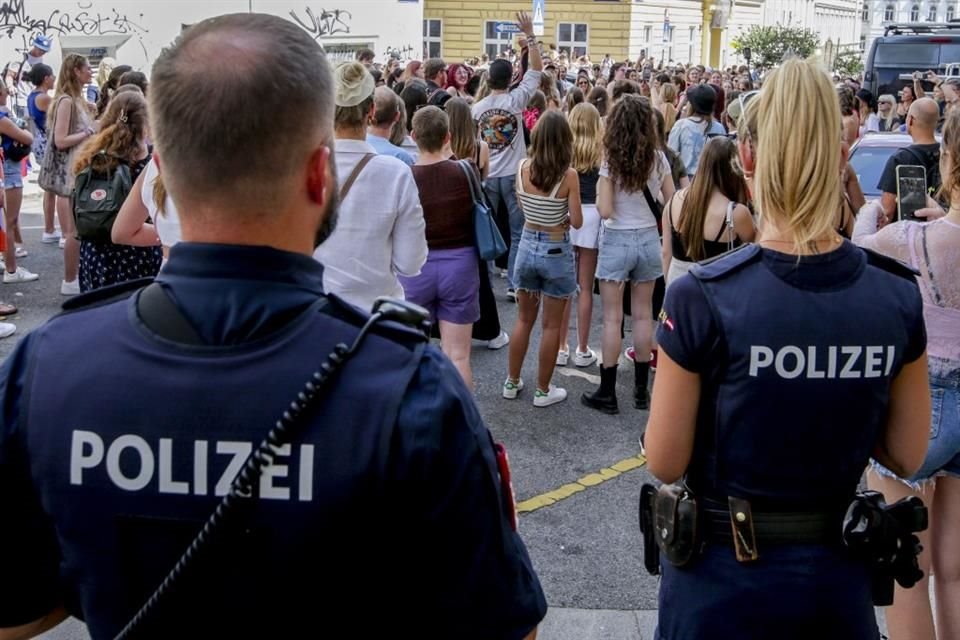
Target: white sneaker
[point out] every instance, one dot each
(7, 329)
(20, 275)
(499, 342)
(511, 295)
(503, 274)
(70, 288)
(21, 252)
(563, 357)
(552, 396)
(50, 238)
(511, 388)
(62, 242)
(585, 359)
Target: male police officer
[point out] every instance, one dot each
(385, 516)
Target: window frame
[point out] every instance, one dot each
(951, 12)
(500, 42)
(932, 12)
(573, 44)
(865, 12)
(428, 39)
(692, 33)
(891, 10)
(915, 13)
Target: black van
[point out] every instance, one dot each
(905, 48)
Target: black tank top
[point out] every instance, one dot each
(588, 186)
(711, 248)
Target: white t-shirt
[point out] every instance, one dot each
(167, 223)
(501, 125)
(630, 210)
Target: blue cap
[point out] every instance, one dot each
(42, 42)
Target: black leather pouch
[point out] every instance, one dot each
(676, 524)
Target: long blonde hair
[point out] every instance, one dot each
(587, 130)
(667, 106)
(463, 129)
(797, 179)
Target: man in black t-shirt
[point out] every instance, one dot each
(925, 151)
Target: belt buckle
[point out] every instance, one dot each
(741, 524)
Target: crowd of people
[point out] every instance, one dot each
(634, 181)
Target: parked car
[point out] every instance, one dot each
(869, 156)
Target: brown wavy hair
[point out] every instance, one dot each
(463, 129)
(630, 142)
(950, 147)
(551, 151)
(717, 171)
(122, 131)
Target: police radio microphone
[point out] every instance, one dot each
(287, 427)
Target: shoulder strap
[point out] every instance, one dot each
(519, 180)
(345, 189)
(556, 189)
(164, 318)
(476, 193)
(655, 208)
(926, 263)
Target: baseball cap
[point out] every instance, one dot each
(43, 43)
(702, 98)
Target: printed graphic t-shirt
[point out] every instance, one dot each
(501, 125)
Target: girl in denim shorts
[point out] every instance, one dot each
(548, 191)
(635, 172)
(933, 249)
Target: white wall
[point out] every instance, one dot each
(683, 14)
(381, 24)
(836, 20)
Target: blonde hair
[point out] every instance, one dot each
(893, 110)
(103, 71)
(587, 130)
(797, 178)
(68, 84)
(950, 149)
(668, 97)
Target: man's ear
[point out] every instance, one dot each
(318, 183)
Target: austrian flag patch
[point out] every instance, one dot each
(665, 319)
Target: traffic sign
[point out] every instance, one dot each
(506, 27)
(539, 17)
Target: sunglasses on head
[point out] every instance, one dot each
(745, 97)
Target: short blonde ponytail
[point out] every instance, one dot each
(797, 179)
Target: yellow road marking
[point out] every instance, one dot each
(590, 480)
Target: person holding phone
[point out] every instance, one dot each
(933, 249)
(921, 123)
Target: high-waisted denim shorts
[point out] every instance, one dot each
(545, 264)
(943, 450)
(629, 255)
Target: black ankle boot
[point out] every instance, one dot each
(605, 398)
(641, 397)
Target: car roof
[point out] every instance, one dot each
(872, 139)
(922, 38)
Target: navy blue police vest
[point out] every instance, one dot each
(797, 396)
(133, 445)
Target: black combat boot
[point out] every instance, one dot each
(641, 373)
(605, 398)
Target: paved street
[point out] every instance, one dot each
(581, 528)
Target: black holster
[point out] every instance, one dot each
(669, 523)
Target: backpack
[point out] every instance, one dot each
(12, 150)
(97, 198)
(934, 181)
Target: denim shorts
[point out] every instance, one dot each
(448, 285)
(629, 254)
(545, 264)
(943, 450)
(12, 179)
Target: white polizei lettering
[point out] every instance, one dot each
(831, 362)
(167, 483)
(147, 462)
(812, 372)
(306, 473)
(200, 468)
(873, 362)
(760, 357)
(275, 470)
(891, 354)
(79, 459)
(853, 354)
(240, 452)
(780, 364)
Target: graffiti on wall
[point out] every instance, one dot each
(15, 19)
(400, 53)
(327, 23)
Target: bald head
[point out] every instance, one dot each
(386, 104)
(215, 143)
(925, 114)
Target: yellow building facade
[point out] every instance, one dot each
(685, 31)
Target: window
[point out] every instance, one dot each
(572, 38)
(889, 13)
(647, 34)
(865, 12)
(915, 13)
(863, 43)
(496, 41)
(432, 38)
(692, 50)
(932, 13)
(950, 10)
(668, 32)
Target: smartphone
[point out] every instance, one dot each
(911, 190)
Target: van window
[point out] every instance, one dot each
(949, 53)
(917, 55)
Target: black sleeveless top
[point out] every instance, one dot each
(711, 248)
(588, 186)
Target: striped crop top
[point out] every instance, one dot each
(548, 211)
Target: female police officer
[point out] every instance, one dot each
(807, 356)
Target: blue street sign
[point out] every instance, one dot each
(506, 27)
(539, 17)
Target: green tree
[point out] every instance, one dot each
(849, 63)
(770, 45)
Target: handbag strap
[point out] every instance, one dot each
(472, 180)
(345, 189)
